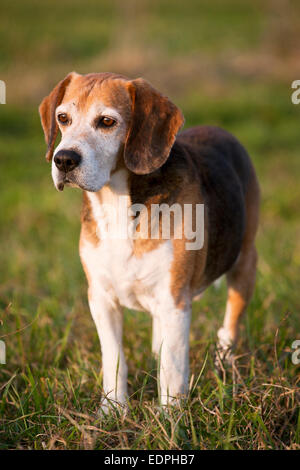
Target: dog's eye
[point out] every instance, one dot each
(63, 118)
(105, 121)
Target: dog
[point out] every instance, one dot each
(120, 140)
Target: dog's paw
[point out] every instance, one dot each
(171, 402)
(223, 358)
(224, 350)
(112, 407)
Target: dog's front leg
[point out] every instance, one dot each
(108, 317)
(156, 335)
(174, 356)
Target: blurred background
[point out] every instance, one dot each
(228, 63)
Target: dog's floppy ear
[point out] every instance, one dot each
(154, 124)
(47, 113)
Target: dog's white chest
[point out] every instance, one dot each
(137, 282)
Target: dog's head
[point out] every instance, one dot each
(102, 118)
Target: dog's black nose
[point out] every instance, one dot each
(67, 160)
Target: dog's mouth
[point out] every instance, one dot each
(73, 181)
(60, 186)
(66, 181)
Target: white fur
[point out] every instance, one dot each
(97, 147)
(119, 278)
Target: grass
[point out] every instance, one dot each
(224, 66)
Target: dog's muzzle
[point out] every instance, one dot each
(67, 160)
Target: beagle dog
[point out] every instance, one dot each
(120, 142)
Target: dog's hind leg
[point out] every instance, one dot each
(240, 278)
(240, 283)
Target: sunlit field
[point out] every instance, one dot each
(224, 63)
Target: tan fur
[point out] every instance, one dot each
(188, 267)
(88, 223)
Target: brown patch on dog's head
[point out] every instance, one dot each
(154, 124)
(47, 113)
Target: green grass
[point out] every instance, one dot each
(51, 385)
